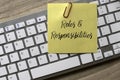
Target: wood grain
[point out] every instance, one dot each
(12, 9)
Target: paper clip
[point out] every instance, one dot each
(67, 10)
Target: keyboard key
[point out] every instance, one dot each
(29, 42)
(12, 68)
(1, 50)
(2, 39)
(10, 36)
(24, 54)
(86, 58)
(98, 33)
(117, 51)
(32, 62)
(44, 48)
(113, 6)
(34, 51)
(39, 39)
(52, 57)
(114, 38)
(14, 57)
(46, 36)
(101, 21)
(42, 59)
(1, 30)
(20, 25)
(55, 67)
(102, 10)
(12, 77)
(103, 41)
(63, 56)
(115, 27)
(9, 28)
(104, 1)
(18, 45)
(117, 16)
(3, 78)
(108, 53)
(3, 71)
(105, 30)
(20, 33)
(41, 27)
(30, 21)
(31, 30)
(8, 47)
(110, 18)
(4, 60)
(22, 65)
(98, 55)
(116, 46)
(25, 75)
(41, 18)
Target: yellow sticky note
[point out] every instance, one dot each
(75, 34)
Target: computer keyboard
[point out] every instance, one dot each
(24, 53)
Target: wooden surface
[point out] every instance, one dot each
(12, 9)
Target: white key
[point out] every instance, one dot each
(4, 60)
(108, 53)
(39, 39)
(105, 30)
(3, 71)
(3, 78)
(8, 47)
(115, 27)
(116, 46)
(86, 58)
(20, 25)
(101, 21)
(44, 48)
(22, 65)
(117, 15)
(18, 45)
(42, 59)
(10, 36)
(98, 55)
(113, 6)
(46, 36)
(55, 67)
(63, 56)
(41, 27)
(32, 62)
(1, 50)
(12, 77)
(34, 51)
(102, 10)
(98, 31)
(24, 54)
(12, 68)
(52, 57)
(2, 39)
(20, 33)
(30, 21)
(29, 42)
(25, 75)
(103, 41)
(114, 38)
(9, 28)
(41, 18)
(31, 30)
(1, 30)
(117, 51)
(110, 18)
(14, 57)
(104, 1)
(94, 2)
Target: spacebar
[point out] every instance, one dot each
(55, 67)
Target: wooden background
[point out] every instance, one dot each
(12, 9)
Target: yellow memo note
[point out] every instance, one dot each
(75, 34)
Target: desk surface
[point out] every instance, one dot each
(12, 9)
